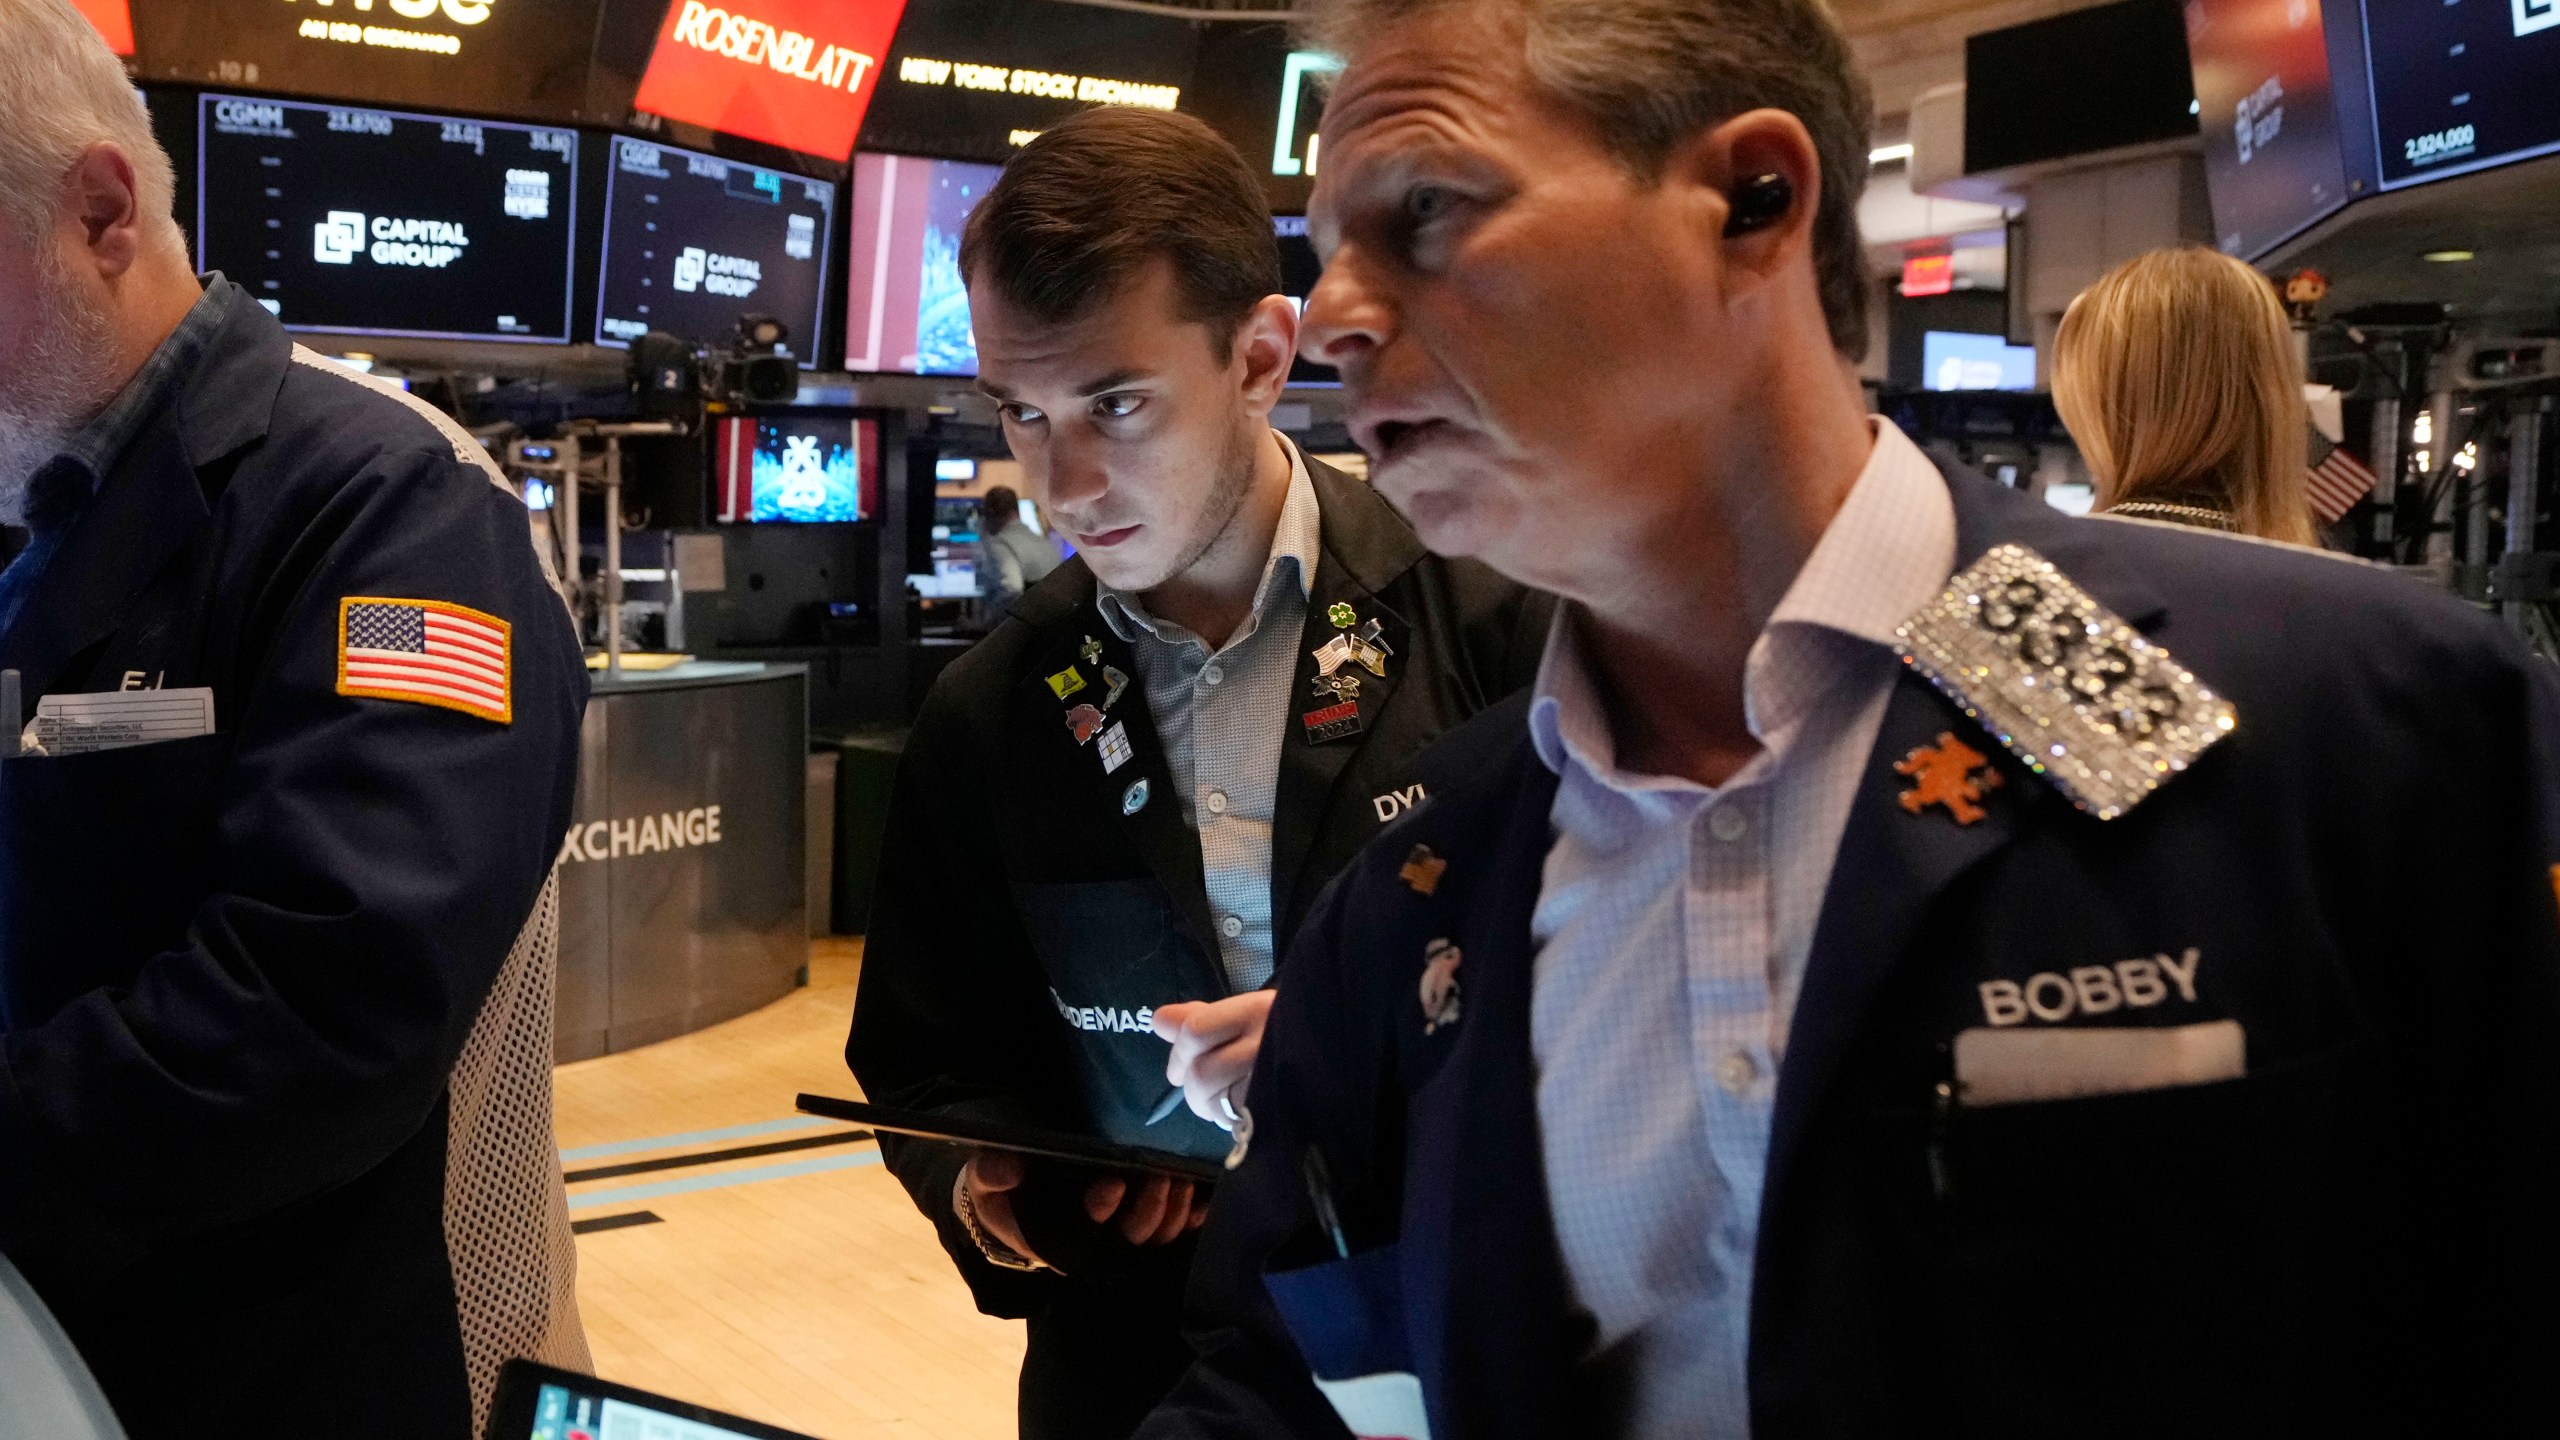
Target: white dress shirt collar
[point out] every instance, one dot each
(1296, 544)
(1886, 553)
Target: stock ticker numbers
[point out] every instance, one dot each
(2461, 85)
(369, 221)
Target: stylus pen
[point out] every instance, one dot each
(1319, 1180)
(1171, 1102)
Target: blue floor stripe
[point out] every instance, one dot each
(721, 1180)
(782, 1126)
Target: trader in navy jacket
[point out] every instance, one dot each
(1916, 964)
(275, 985)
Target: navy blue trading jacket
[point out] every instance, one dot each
(2356, 1238)
(236, 971)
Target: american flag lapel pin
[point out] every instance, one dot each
(427, 652)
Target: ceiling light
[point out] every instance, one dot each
(1887, 154)
(2446, 257)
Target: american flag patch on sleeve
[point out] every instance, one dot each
(428, 653)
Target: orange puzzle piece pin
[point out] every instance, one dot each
(1422, 870)
(1942, 774)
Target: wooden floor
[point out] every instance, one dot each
(793, 1284)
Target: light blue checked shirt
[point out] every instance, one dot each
(1673, 926)
(1222, 717)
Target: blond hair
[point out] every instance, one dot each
(2177, 374)
(61, 91)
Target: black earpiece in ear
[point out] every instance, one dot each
(1760, 202)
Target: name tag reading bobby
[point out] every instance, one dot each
(112, 720)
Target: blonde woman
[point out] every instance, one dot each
(2177, 375)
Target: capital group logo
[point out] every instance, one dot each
(735, 276)
(427, 244)
(339, 239)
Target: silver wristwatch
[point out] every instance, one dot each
(998, 1253)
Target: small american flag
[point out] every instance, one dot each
(426, 652)
(2337, 479)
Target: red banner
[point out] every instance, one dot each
(114, 19)
(794, 73)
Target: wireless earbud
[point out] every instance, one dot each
(1760, 202)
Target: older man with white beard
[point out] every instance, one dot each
(275, 987)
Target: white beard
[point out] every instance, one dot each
(62, 375)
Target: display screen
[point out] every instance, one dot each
(1299, 271)
(504, 57)
(2271, 156)
(373, 222)
(2090, 80)
(692, 242)
(974, 79)
(114, 20)
(559, 1414)
(908, 307)
(793, 73)
(792, 468)
(1954, 360)
(2461, 84)
(1262, 90)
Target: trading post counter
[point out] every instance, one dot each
(683, 895)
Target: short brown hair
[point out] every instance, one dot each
(1648, 74)
(1104, 193)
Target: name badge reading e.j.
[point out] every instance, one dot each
(116, 719)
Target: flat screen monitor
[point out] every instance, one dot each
(2461, 85)
(795, 73)
(692, 242)
(803, 469)
(114, 22)
(2089, 80)
(376, 222)
(1299, 271)
(1954, 360)
(524, 58)
(908, 308)
(974, 79)
(2272, 160)
(537, 1402)
(1264, 90)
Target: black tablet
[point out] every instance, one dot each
(1025, 1139)
(536, 1402)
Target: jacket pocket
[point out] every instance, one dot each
(2183, 1240)
(104, 857)
(1348, 1319)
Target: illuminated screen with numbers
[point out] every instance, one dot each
(692, 242)
(372, 222)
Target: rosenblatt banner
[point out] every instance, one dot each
(794, 73)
